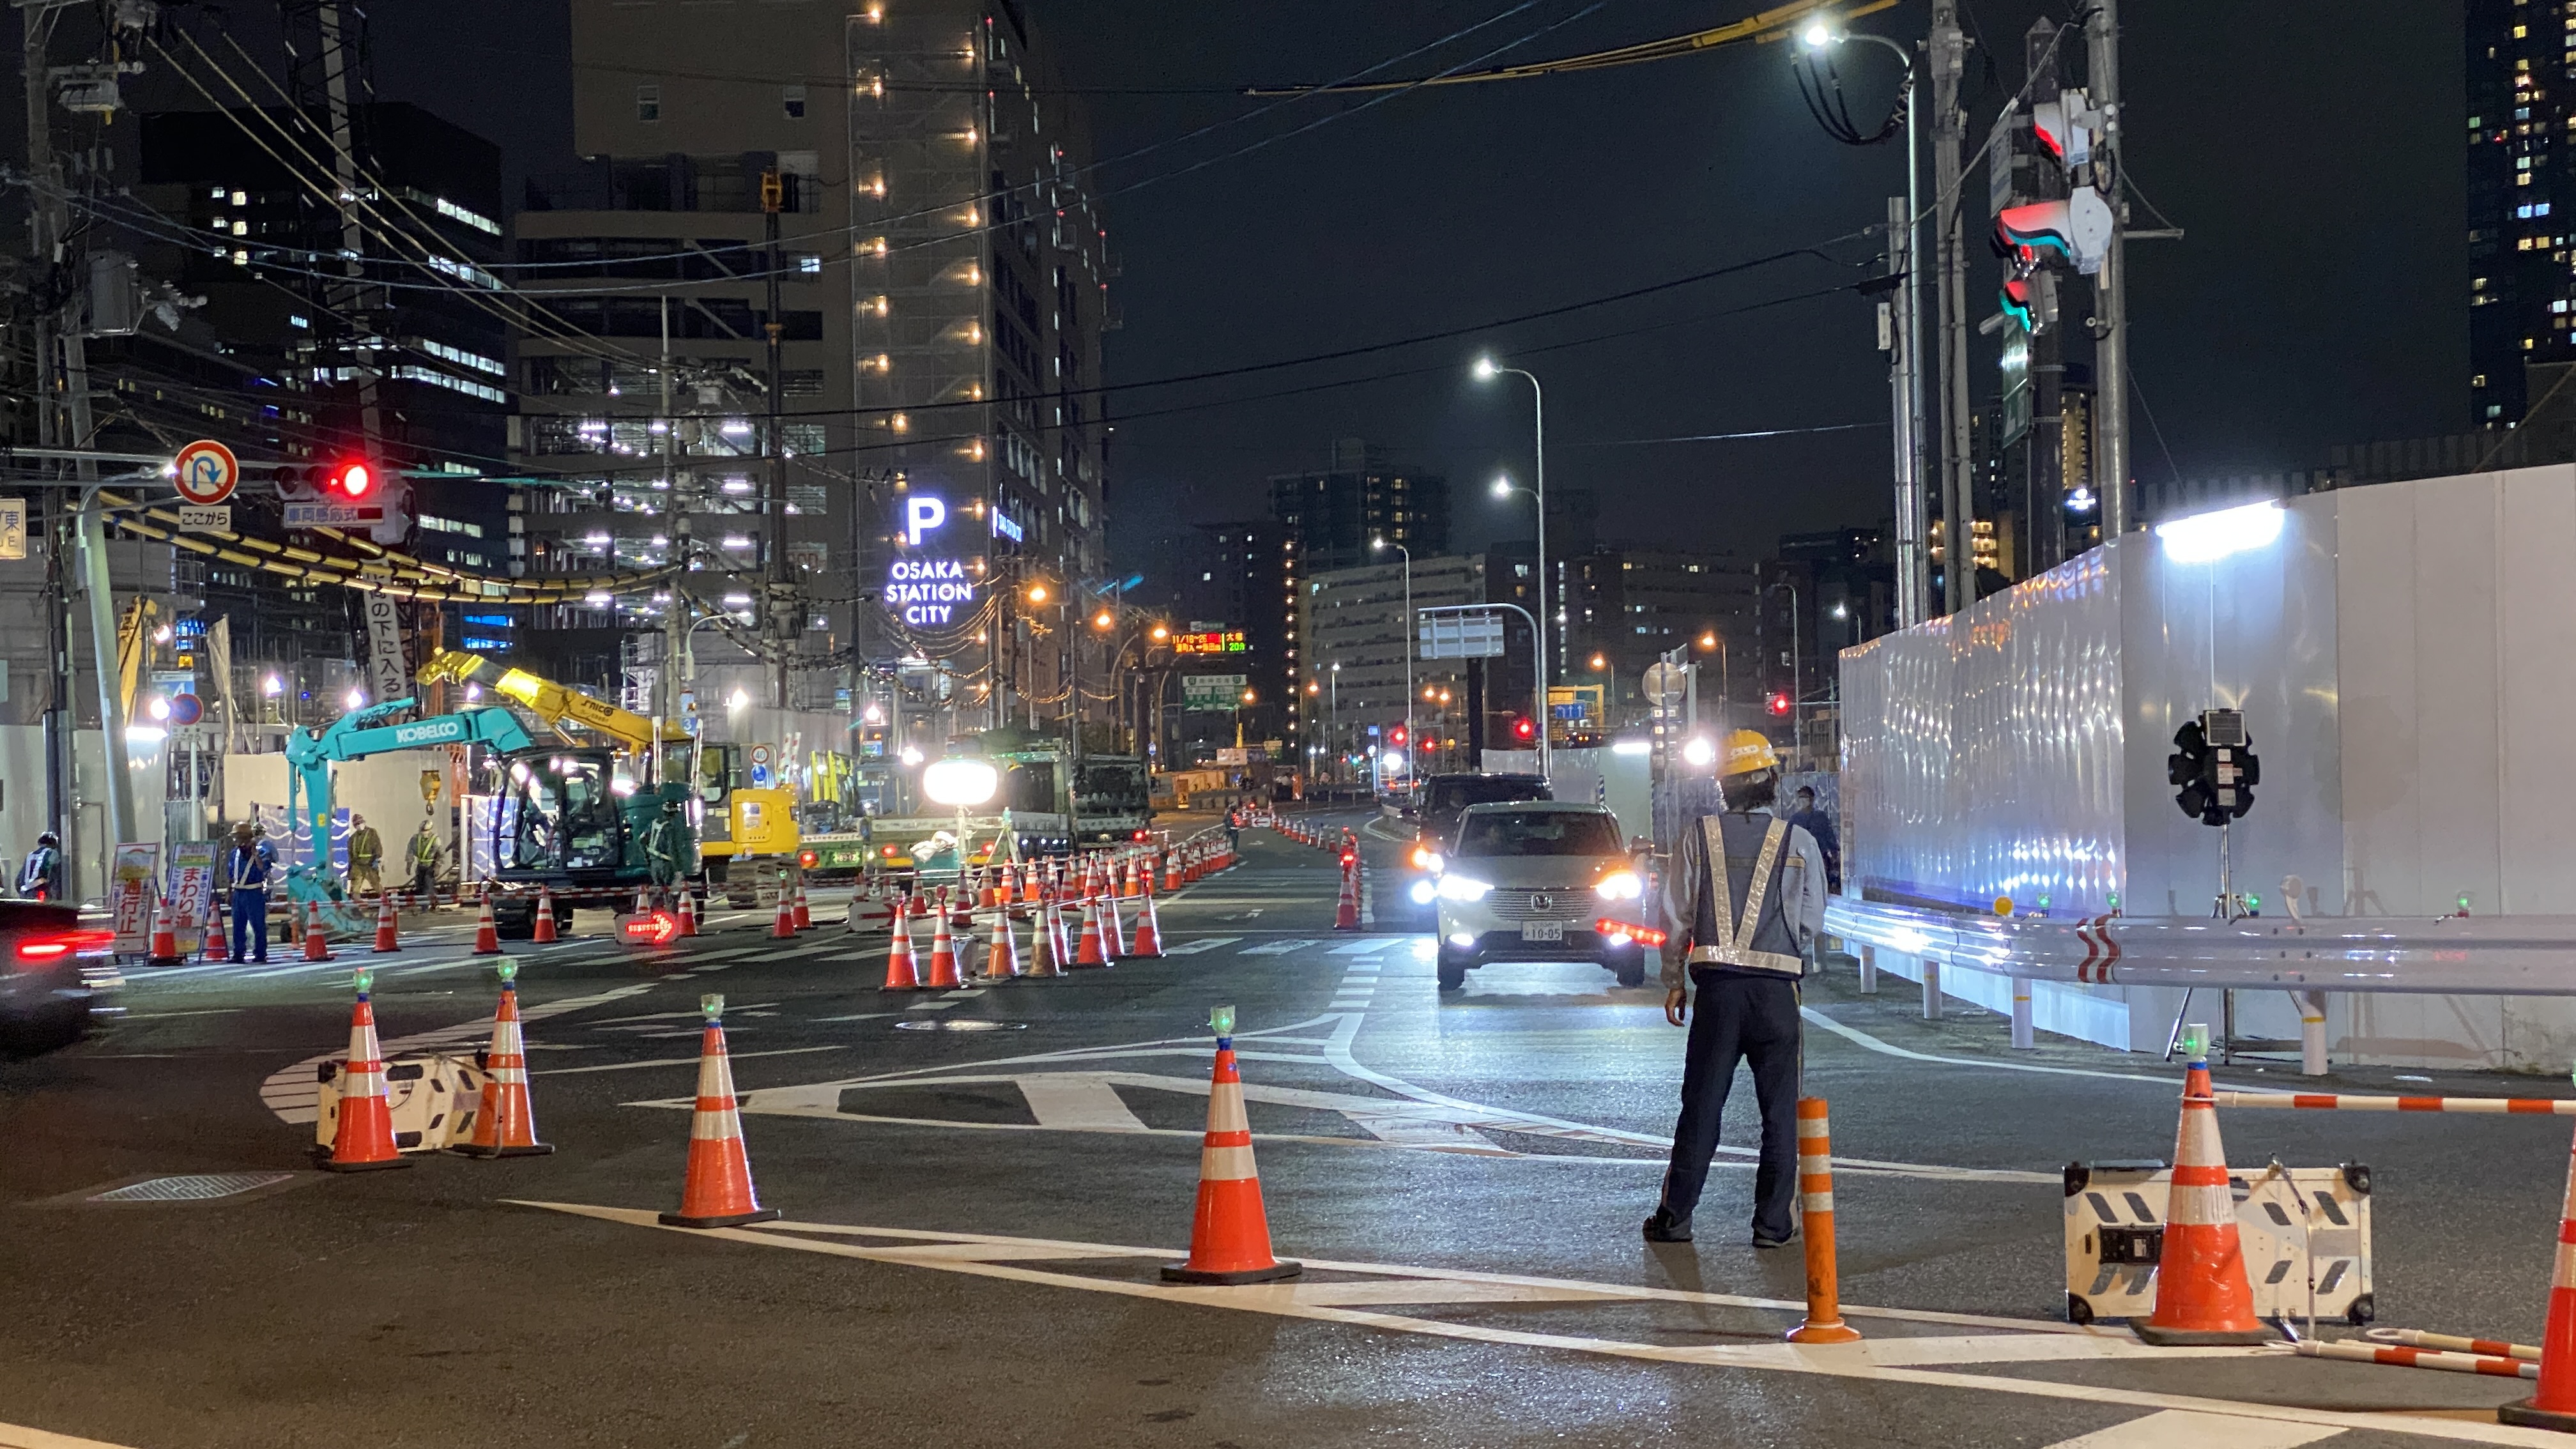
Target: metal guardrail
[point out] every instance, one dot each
(2477, 955)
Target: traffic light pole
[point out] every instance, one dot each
(1948, 57)
(2111, 298)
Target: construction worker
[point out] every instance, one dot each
(1744, 898)
(424, 867)
(366, 857)
(41, 878)
(246, 871)
(663, 843)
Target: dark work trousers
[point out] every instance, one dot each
(1740, 1018)
(250, 925)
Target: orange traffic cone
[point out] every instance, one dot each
(717, 1192)
(1172, 871)
(1127, 877)
(1088, 953)
(506, 1127)
(1149, 933)
(165, 934)
(317, 942)
(544, 930)
(2553, 1405)
(387, 938)
(216, 947)
(804, 906)
(785, 925)
(2202, 1293)
(1229, 1233)
(688, 910)
(1113, 936)
(1046, 947)
(364, 1140)
(1346, 915)
(487, 932)
(1002, 958)
(643, 900)
(943, 957)
(902, 972)
(1029, 886)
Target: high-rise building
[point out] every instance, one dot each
(1624, 608)
(1363, 654)
(1329, 519)
(2520, 286)
(937, 292)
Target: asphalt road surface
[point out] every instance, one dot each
(980, 1186)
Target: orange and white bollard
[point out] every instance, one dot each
(506, 1126)
(364, 1139)
(317, 942)
(544, 931)
(386, 937)
(804, 907)
(717, 1191)
(1816, 1203)
(487, 931)
(2203, 1296)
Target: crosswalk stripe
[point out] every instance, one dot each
(1203, 943)
(1277, 948)
(1368, 948)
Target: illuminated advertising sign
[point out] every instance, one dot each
(1211, 641)
(929, 589)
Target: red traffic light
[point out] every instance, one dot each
(1523, 729)
(1779, 704)
(1398, 736)
(352, 481)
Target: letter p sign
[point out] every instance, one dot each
(920, 515)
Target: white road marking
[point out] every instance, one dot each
(672, 1015)
(858, 1016)
(1861, 1038)
(18, 1436)
(2241, 1420)
(1276, 948)
(293, 1092)
(1078, 1102)
(930, 1006)
(1368, 948)
(963, 994)
(680, 1061)
(1203, 943)
(2184, 1429)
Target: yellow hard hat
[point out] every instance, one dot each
(1747, 751)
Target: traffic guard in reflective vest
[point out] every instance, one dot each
(1744, 898)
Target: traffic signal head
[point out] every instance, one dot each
(1779, 704)
(1397, 737)
(352, 481)
(1523, 728)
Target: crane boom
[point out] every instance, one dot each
(351, 737)
(553, 703)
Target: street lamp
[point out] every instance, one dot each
(1486, 371)
(1797, 669)
(1380, 544)
(1341, 756)
(960, 781)
(1913, 551)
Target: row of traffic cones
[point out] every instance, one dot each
(1054, 947)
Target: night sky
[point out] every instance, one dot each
(2312, 151)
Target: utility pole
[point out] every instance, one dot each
(45, 227)
(1948, 57)
(2110, 296)
(1905, 398)
(2044, 481)
(671, 696)
(349, 303)
(780, 615)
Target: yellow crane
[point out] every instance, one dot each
(739, 822)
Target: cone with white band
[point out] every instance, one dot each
(1824, 1322)
(688, 910)
(545, 932)
(902, 972)
(1002, 957)
(1113, 935)
(1046, 944)
(2203, 1295)
(804, 916)
(1088, 954)
(487, 931)
(317, 941)
(2553, 1404)
(1148, 945)
(717, 1191)
(943, 957)
(506, 1126)
(364, 1139)
(1229, 1231)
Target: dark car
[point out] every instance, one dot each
(53, 968)
(1443, 798)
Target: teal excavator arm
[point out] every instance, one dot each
(350, 737)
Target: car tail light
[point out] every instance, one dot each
(889, 852)
(1139, 835)
(1642, 935)
(55, 945)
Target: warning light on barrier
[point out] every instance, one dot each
(652, 928)
(806, 859)
(1629, 930)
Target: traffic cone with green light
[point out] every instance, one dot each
(506, 1125)
(2203, 1296)
(364, 1138)
(1229, 1231)
(717, 1192)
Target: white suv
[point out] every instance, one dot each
(1527, 881)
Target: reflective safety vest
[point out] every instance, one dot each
(1754, 939)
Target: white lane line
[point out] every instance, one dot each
(858, 1016)
(1861, 1038)
(1277, 948)
(1203, 943)
(1368, 948)
(1078, 1102)
(1847, 1361)
(679, 1061)
(930, 1006)
(971, 991)
(2184, 1429)
(675, 1015)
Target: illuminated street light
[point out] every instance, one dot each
(357, 699)
(1037, 593)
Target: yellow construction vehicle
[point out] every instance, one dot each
(736, 822)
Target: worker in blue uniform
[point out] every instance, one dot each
(247, 867)
(1743, 901)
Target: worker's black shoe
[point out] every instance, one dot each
(1765, 1240)
(1663, 1227)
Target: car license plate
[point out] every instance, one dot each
(1553, 931)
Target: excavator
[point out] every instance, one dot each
(568, 819)
(734, 821)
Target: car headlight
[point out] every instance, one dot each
(1619, 885)
(1463, 888)
(1422, 892)
(1427, 859)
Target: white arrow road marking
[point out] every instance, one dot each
(1882, 1360)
